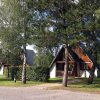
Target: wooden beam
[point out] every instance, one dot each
(64, 62)
(60, 61)
(71, 62)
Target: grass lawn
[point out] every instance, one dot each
(8, 82)
(73, 84)
(83, 86)
(79, 85)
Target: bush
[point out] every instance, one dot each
(40, 74)
(13, 72)
(17, 72)
(33, 74)
(6, 72)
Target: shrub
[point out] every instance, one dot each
(6, 72)
(40, 74)
(32, 73)
(17, 72)
(13, 72)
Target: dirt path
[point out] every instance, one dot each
(42, 92)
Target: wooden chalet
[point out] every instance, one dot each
(79, 63)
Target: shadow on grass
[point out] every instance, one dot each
(79, 83)
(55, 80)
(91, 86)
(83, 83)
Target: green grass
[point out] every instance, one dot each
(73, 84)
(55, 80)
(8, 82)
(84, 86)
(79, 85)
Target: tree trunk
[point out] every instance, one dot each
(24, 68)
(65, 76)
(24, 23)
(91, 77)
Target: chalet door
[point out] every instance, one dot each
(60, 69)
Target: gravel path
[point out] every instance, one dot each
(42, 92)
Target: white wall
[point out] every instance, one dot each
(53, 71)
(82, 73)
(86, 73)
(1, 70)
(95, 73)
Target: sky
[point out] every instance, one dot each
(31, 47)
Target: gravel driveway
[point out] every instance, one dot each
(42, 93)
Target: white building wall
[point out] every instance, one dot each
(1, 70)
(86, 73)
(95, 73)
(82, 73)
(53, 71)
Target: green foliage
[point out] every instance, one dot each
(32, 74)
(43, 57)
(40, 74)
(6, 72)
(47, 24)
(13, 72)
(16, 19)
(16, 72)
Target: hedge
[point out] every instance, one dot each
(6, 72)
(32, 73)
(40, 74)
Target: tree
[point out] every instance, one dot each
(43, 57)
(16, 17)
(71, 21)
(62, 16)
(90, 28)
(48, 23)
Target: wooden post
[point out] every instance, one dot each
(65, 76)
(85, 69)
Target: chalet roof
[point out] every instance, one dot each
(62, 49)
(56, 56)
(74, 54)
